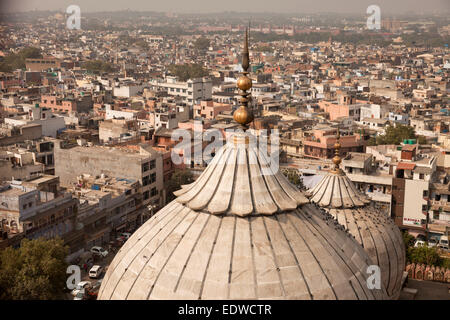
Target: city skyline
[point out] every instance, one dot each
(202, 6)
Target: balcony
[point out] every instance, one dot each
(379, 196)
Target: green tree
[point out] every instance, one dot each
(425, 254)
(97, 66)
(421, 140)
(372, 141)
(15, 61)
(187, 71)
(142, 44)
(408, 239)
(395, 135)
(35, 271)
(294, 178)
(178, 178)
(201, 43)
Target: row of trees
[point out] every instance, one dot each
(15, 61)
(34, 271)
(201, 43)
(396, 135)
(187, 71)
(426, 255)
(97, 66)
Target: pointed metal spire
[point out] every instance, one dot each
(245, 54)
(337, 148)
(243, 115)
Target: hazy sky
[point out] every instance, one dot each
(205, 6)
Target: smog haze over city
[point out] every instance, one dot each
(208, 6)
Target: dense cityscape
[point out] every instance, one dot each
(89, 125)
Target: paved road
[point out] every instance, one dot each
(429, 290)
(104, 262)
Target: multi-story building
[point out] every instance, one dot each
(321, 143)
(108, 205)
(51, 124)
(35, 208)
(208, 109)
(413, 175)
(81, 104)
(139, 163)
(192, 91)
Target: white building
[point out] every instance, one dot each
(50, 123)
(127, 91)
(192, 91)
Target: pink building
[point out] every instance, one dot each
(345, 107)
(209, 109)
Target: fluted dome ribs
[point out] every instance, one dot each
(337, 191)
(239, 180)
(183, 254)
(374, 230)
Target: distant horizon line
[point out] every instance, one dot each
(440, 13)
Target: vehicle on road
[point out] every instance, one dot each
(99, 251)
(125, 235)
(443, 243)
(419, 243)
(92, 293)
(81, 295)
(432, 242)
(81, 286)
(95, 272)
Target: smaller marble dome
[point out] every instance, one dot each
(373, 229)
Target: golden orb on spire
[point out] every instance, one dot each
(244, 83)
(243, 115)
(337, 159)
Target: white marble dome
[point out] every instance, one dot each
(373, 229)
(240, 231)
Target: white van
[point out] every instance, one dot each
(443, 243)
(95, 272)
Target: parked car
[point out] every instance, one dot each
(92, 293)
(419, 243)
(432, 242)
(443, 243)
(125, 235)
(99, 251)
(81, 286)
(95, 272)
(81, 295)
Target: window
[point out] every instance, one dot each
(146, 195)
(421, 176)
(425, 193)
(154, 192)
(153, 177)
(24, 206)
(145, 180)
(424, 207)
(145, 167)
(152, 164)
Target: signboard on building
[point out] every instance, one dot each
(410, 221)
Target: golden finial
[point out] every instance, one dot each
(337, 147)
(243, 115)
